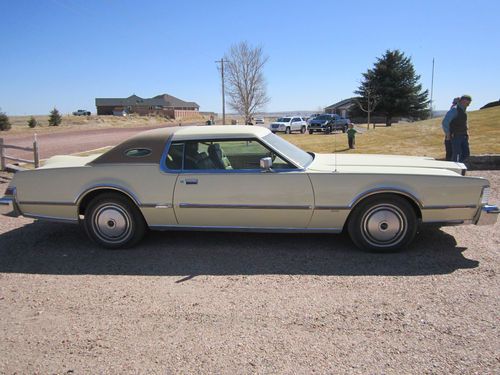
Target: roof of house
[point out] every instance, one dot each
(164, 100)
(345, 104)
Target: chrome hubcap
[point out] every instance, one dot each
(111, 223)
(384, 225)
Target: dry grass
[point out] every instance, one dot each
(424, 138)
(20, 123)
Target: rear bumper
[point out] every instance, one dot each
(488, 215)
(8, 207)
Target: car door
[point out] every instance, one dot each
(236, 193)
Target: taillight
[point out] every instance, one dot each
(10, 191)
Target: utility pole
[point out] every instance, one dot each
(221, 62)
(432, 83)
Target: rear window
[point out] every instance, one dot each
(138, 152)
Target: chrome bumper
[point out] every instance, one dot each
(488, 215)
(8, 207)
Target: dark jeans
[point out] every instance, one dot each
(447, 148)
(460, 148)
(351, 142)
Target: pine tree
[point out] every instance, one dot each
(55, 118)
(395, 85)
(4, 122)
(32, 122)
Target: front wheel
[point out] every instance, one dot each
(303, 129)
(311, 131)
(384, 223)
(113, 221)
(287, 130)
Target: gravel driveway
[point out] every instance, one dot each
(233, 303)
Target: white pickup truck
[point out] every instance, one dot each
(289, 124)
(81, 112)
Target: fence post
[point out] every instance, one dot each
(2, 156)
(36, 158)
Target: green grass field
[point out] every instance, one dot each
(423, 138)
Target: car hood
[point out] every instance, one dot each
(370, 163)
(318, 122)
(66, 161)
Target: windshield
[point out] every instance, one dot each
(283, 119)
(288, 150)
(323, 117)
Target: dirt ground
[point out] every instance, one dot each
(229, 303)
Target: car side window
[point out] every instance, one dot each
(246, 154)
(226, 155)
(175, 155)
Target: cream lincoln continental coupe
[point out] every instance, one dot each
(245, 178)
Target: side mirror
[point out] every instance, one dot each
(266, 163)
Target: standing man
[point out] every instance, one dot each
(456, 121)
(446, 128)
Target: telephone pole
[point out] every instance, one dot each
(432, 84)
(221, 62)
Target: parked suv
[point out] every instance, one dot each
(289, 124)
(81, 112)
(259, 121)
(328, 123)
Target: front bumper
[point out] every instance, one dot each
(8, 207)
(488, 215)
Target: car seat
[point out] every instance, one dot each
(218, 157)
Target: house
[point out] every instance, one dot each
(162, 105)
(341, 108)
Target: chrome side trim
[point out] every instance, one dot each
(83, 193)
(368, 193)
(148, 205)
(245, 229)
(449, 206)
(445, 222)
(52, 218)
(37, 203)
(334, 208)
(244, 206)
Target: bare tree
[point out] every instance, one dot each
(371, 104)
(246, 86)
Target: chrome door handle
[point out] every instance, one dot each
(190, 181)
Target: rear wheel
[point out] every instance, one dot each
(383, 223)
(113, 221)
(303, 129)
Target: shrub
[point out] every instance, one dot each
(32, 122)
(4, 122)
(55, 118)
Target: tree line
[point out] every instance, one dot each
(55, 119)
(390, 89)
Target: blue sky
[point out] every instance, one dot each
(65, 53)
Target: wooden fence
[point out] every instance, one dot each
(4, 157)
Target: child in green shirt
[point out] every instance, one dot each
(351, 133)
